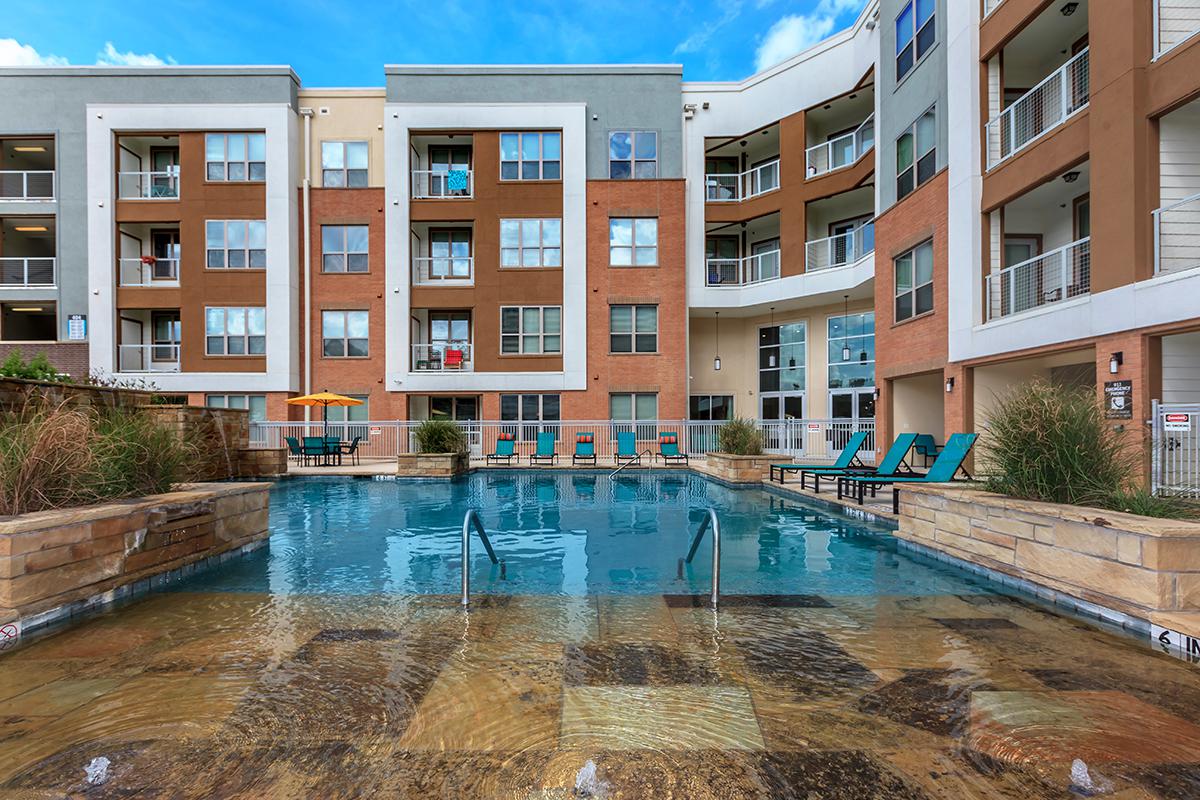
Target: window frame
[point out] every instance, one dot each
(633, 161)
(917, 156)
(345, 338)
(521, 248)
(246, 162)
(914, 287)
(633, 334)
(225, 399)
(521, 161)
(247, 251)
(226, 336)
(913, 38)
(841, 341)
(633, 247)
(345, 169)
(525, 427)
(763, 366)
(346, 411)
(694, 415)
(520, 335)
(345, 253)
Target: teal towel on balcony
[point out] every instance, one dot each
(456, 180)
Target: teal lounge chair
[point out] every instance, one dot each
(627, 448)
(926, 447)
(846, 460)
(505, 448)
(295, 450)
(947, 465)
(893, 463)
(585, 448)
(668, 448)
(545, 450)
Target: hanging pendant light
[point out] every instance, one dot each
(771, 358)
(862, 330)
(845, 322)
(717, 357)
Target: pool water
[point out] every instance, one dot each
(339, 664)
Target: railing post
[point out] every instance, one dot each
(1157, 217)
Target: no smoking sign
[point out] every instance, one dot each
(10, 634)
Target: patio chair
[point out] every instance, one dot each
(926, 447)
(314, 447)
(351, 450)
(295, 449)
(585, 448)
(947, 465)
(668, 448)
(893, 463)
(846, 459)
(627, 452)
(505, 448)
(453, 360)
(333, 448)
(546, 450)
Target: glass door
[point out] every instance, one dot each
(464, 411)
(164, 245)
(167, 333)
(848, 410)
(764, 265)
(164, 165)
(448, 330)
(450, 252)
(442, 161)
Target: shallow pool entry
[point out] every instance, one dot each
(341, 664)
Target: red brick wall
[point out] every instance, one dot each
(68, 357)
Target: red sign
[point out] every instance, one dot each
(1177, 418)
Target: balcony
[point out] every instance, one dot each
(448, 356)
(724, 188)
(27, 169)
(147, 358)
(741, 167)
(26, 184)
(728, 272)
(1049, 104)
(443, 271)
(1052, 277)
(162, 185)
(841, 151)
(148, 271)
(27, 273)
(441, 166)
(27, 252)
(1175, 21)
(454, 184)
(1177, 236)
(840, 250)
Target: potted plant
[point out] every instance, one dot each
(441, 451)
(739, 457)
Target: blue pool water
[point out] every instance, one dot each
(567, 534)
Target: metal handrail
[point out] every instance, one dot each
(710, 521)
(631, 462)
(472, 518)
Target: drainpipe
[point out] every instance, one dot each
(307, 113)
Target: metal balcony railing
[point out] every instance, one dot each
(742, 271)
(1052, 277)
(1044, 107)
(441, 357)
(148, 185)
(148, 271)
(441, 184)
(841, 152)
(443, 271)
(148, 358)
(26, 184)
(840, 250)
(736, 186)
(18, 273)
(1177, 235)
(1175, 21)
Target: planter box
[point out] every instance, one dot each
(54, 563)
(1136, 565)
(432, 465)
(262, 462)
(742, 469)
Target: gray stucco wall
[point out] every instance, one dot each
(53, 101)
(901, 104)
(617, 98)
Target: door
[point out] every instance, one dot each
(443, 160)
(721, 259)
(164, 166)
(164, 246)
(130, 353)
(448, 330)
(848, 410)
(846, 240)
(167, 333)
(450, 251)
(764, 265)
(783, 418)
(1081, 256)
(841, 148)
(464, 411)
(721, 178)
(1021, 287)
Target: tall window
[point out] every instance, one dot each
(531, 242)
(360, 413)
(633, 407)
(633, 242)
(531, 156)
(915, 32)
(633, 329)
(705, 407)
(633, 154)
(529, 408)
(916, 154)
(450, 253)
(344, 334)
(235, 156)
(781, 357)
(235, 331)
(236, 243)
(914, 282)
(256, 404)
(344, 248)
(344, 164)
(530, 329)
(851, 350)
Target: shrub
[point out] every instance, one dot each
(740, 437)
(1147, 504)
(37, 368)
(440, 436)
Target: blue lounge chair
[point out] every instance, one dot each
(505, 448)
(295, 449)
(893, 463)
(627, 448)
(847, 459)
(668, 448)
(944, 470)
(545, 449)
(926, 447)
(585, 448)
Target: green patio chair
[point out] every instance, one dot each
(546, 450)
(846, 459)
(926, 447)
(506, 444)
(295, 449)
(668, 448)
(585, 448)
(947, 465)
(627, 452)
(893, 463)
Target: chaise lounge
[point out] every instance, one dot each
(892, 464)
(948, 464)
(847, 459)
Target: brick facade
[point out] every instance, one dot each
(69, 358)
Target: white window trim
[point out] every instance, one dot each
(917, 59)
(246, 162)
(897, 294)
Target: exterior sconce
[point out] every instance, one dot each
(1115, 361)
(949, 384)
(717, 356)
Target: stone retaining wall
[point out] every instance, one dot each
(742, 469)
(1136, 565)
(432, 465)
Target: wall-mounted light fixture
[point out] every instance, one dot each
(950, 384)
(717, 357)
(1115, 361)
(1071, 176)
(1069, 9)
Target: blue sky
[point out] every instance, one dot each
(342, 44)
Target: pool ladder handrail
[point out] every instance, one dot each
(472, 519)
(631, 462)
(710, 521)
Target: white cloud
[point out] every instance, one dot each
(699, 38)
(15, 54)
(796, 32)
(110, 56)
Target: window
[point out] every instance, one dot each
(235, 156)
(914, 282)
(449, 253)
(344, 248)
(236, 244)
(344, 164)
(531, 329)
(915, 31)
(530, 156)
(916, 154)
(705, 407)
(351, 413)
(851, 350)
(781, 357)
(256, 404)
(531, 242)
(235, 331)
(633, 154)
(630, 407)
(344, 334)
(530, 408)
(633, 329)
(633, 242)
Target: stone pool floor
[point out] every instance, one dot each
(253, 696)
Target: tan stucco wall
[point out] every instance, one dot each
(354, 115)
(917, 405)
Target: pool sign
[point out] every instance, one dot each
(1177, 422)
(10, 634)
(1180, 645)
(1118, 399)
(376, 431)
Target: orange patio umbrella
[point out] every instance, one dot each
(325, 400)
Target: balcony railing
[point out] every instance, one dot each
(1175, 21)
(841, 152)
(443, 271)
(742, 271)
(1177, 236)
(148, 358)
(840, 250)
(442, 357)
(18, 273)
(149, 271)
(1050, 278)
(26, 184)
(148, 185)
(1043, 108)
(440, 184)
(735, 186)
(990, 5)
